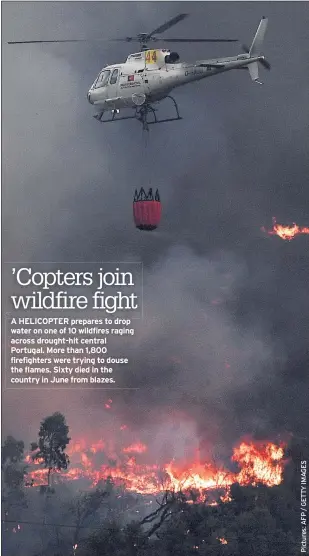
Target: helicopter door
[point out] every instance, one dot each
(112, 87)
(152, 82)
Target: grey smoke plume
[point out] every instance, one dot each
(237, 159)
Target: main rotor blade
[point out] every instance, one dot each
(168, 24)
(61, 40)
(199, 40)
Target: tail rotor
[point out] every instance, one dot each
(262, 61)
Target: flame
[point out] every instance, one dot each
(137, 448)
(15, 529)
(29, 459)
(285, 232)
(226, 497)
(222, 540)
(98, 447)
(257, 461)
(254, 460)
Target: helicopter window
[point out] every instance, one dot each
(172, 58)
(114, 77)
(102, 79)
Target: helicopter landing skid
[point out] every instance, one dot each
(99, 117)
(143, 111)
(141, 114)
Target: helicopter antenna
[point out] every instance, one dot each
(142, 38)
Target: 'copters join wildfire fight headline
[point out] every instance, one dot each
(60, 300)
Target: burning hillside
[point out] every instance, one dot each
(257, 462)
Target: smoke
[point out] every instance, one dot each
(224, 335)
(192, 353)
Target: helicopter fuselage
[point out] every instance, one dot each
(151, 75)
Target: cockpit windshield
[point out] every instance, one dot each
(102, 79)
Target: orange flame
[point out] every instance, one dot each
(254, 460)
(285, 232)
(222, 540)
(226, 498)
(258, 462)
(137, 448)
(97, 447)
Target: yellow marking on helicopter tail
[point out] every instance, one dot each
(151, 56)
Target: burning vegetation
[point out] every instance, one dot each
(259, 462)
(285, 232)
(132, 506)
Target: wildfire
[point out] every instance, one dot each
(285, 232)
(254, 460)
(257, 461)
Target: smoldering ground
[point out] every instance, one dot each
(237, 159)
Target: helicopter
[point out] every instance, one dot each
(149, 76)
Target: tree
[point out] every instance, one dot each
(50, 451)
(134, 539)
(13, 471)
(85, 508)
(171, 504)
(13, 499)
(108, 540)
(53, 440)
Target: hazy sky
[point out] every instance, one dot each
(239, 157)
